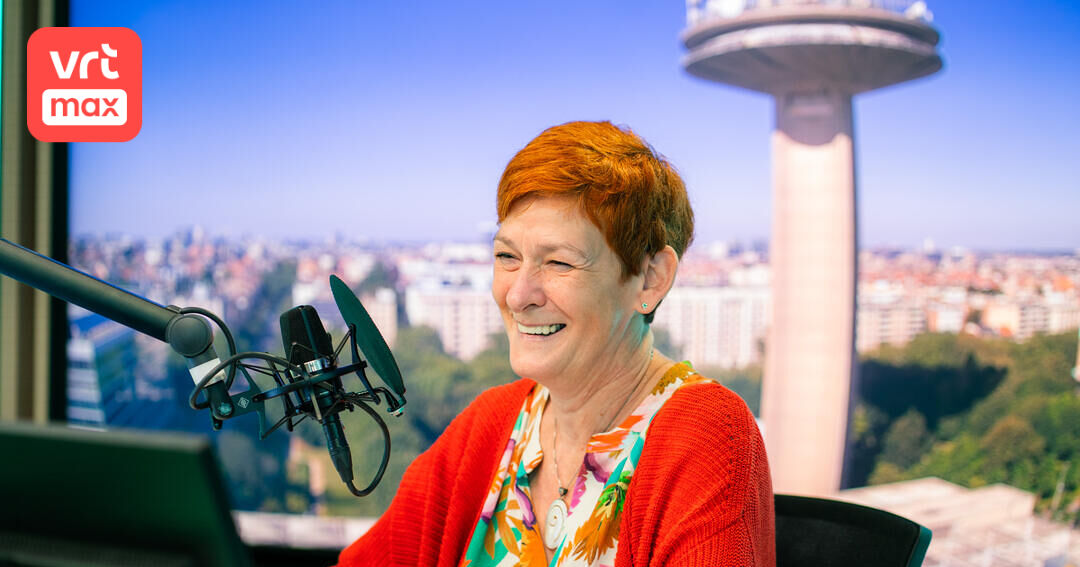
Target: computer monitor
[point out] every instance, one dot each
(88, 498)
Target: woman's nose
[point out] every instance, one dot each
(525, 290)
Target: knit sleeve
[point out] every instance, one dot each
(701, 494)
(439, 499)
(384, 543)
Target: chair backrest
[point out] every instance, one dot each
(820, 532)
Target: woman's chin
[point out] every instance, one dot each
(531, 356)
(533, 367)
(525, 370)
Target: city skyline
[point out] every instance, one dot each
(717, 310)
(428, 103)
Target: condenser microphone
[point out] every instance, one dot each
(308, 345)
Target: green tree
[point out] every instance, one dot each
(957, 460)
(867, 429)
(1010, 441)
(430, 378)
(940, 376)
(1025, 433)
(886, 472)
(491, 367)
(906, 440)
(1059, 424)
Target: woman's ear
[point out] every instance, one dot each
(659, 277)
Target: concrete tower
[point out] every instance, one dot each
(812, 56)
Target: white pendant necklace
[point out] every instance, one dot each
(555, 523)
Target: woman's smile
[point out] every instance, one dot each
(540, 330)
(559, 288)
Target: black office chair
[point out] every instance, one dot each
(821, 533)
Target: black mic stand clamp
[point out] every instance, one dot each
(191, 337)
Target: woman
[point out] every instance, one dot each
(607, 452)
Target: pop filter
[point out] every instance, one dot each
(368, 338)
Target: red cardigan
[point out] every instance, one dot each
(700, 495)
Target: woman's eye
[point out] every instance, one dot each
(560, 265)
(505, 257)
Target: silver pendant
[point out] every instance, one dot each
(556, 523)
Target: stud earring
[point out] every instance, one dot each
(644, 305)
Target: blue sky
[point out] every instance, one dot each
(393, 120)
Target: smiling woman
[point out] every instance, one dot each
(562, 296)
(607, 452)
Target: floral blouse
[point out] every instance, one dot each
(508, 533)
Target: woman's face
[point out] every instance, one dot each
(558, 285)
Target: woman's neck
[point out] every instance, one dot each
(584, 406)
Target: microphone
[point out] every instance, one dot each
(308, 345)
(309, 382)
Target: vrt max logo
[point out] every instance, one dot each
(84, 84)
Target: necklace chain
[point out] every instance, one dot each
(555, 438)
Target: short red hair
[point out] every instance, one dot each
(632, 194)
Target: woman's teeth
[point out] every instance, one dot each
(540, 330)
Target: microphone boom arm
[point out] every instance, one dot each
(188, 334)
(192, 337)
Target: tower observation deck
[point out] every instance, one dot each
(812, 56)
